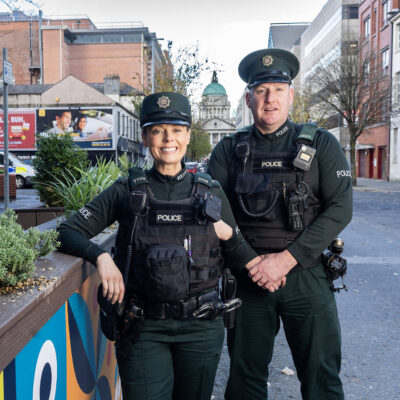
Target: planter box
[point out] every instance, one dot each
(51, 345)
(12, 186)
(29, 217)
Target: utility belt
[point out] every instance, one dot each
(126, 319)
(206, 306)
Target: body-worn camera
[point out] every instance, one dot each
(210, 208)
(304, 157)
(335, 265)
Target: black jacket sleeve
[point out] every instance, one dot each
(76, 232)
(336, 196)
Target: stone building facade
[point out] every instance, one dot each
(215, 110)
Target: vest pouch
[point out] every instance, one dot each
(256, 194)
(167, 273)
(110, 320)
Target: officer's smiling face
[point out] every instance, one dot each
(167, 144)
(270, 103)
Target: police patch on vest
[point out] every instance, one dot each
(272, 164)
(168, 218)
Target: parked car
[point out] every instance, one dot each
(191, 167)
(24, 172)
(202, 167)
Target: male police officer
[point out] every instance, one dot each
(290, 190)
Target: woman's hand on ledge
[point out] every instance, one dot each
(111, 278)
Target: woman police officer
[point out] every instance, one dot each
(174, 233)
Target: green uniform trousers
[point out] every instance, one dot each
(172, 359)
(307, 308)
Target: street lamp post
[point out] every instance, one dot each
(7, 79)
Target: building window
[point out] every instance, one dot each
(385, 61)
(367, 27)
(385, 10)
(397, 89)
(350, 48)
(366, 73)
(350, 11)
(395, 144)
(398, 37)
(137, 134)
(119, 122)
(112, 38)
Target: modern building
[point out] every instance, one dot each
(394, 159)
(47, 50)
(244, 117)
(375, 39)
(215, 111)
(287, 36)
(329, 35)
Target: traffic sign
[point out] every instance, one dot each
(8, 73)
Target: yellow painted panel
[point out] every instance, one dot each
(1, 385)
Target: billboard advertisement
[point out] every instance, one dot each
(21, 129)
(89, 128)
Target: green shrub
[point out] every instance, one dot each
(55, 155)
(76, 192)
(19, 249)
(125, 164)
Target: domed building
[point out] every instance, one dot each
(215, 111)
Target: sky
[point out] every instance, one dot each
(226, 30)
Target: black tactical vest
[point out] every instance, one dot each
(270, 192)
(176, 251)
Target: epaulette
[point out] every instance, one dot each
(202, 177)
(307, 133)
(215, 183)
(136, 177)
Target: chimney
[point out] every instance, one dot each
(111, 84)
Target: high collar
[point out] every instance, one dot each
(180, 176)
(279, 133)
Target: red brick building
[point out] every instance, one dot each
(76, 46)
(375, 39)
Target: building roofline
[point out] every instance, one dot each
(288, 23)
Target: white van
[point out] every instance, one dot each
(24, 172)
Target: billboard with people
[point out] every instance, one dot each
(21, 129)
(89, 128)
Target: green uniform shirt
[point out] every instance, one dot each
(331, 183)
(110, 205)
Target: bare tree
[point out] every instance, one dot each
(180, 72)
(187, 67)
(19, 5)
(354, 86)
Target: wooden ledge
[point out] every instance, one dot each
(23, 315)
